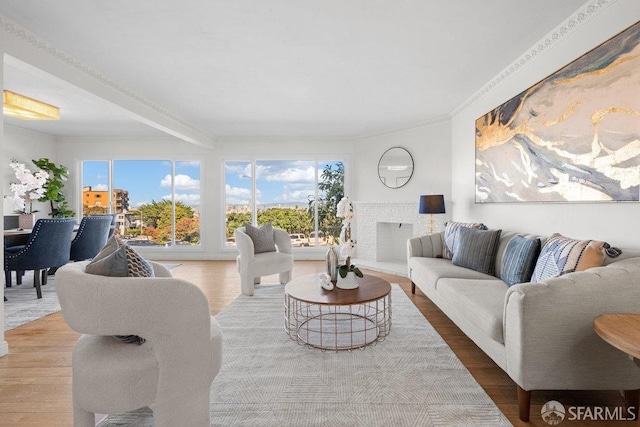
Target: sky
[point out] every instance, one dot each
(146, 180)
(278, 182)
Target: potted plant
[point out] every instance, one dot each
(56, 177)
(29, 188)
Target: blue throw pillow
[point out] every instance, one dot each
(476, 249)
(519, 260)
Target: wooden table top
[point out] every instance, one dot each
(621, 330)
(308, 289)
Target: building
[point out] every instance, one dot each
(98, 198)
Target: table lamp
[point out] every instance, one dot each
(431, 204)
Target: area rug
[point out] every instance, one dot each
(23, 306)
(411, 378)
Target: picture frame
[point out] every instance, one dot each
(572, 137)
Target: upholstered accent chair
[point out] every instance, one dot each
(252, 266)
(171, 372)
(48, 246)
(91, 237)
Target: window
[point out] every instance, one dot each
(297, 196)
(156, 202)
(238, 197)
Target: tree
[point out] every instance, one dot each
(53, 188)
(237, 220)
(331, 191)
(188, 230)
(157, 220)
(95, 210)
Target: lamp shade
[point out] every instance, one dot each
(431, 204)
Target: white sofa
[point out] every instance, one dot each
(541, 334)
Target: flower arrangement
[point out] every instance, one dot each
(344, 209)
(29, 188)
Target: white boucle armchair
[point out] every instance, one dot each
(171, 372)
(252, 266)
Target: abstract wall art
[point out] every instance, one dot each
(572, 137)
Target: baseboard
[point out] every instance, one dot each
(4, 348)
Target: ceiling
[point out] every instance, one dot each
(319, 68)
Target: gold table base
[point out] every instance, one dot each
(337, 327)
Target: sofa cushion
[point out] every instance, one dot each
(476, 249)
(561, 255)
(451, 234)
(519, 259)
(428, 271)
(262, 238)
(478, 301)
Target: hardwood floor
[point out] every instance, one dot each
(35, 377)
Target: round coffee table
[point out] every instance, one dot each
(341, 319)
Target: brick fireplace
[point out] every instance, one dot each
(382, 230)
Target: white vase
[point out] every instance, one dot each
(332, 263)
(348, 282)
(26, 221)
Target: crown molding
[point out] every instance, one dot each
(12, 29)
(426, 122)
(555, 36)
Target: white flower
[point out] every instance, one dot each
(344, 209)
(29, 189)
(347, 249)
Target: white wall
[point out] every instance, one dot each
(430, 147)
(616, 223)
(25, 146)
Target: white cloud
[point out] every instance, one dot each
(183, 182)
(187, 199)
(291, 173)
(298, 196)
(100, 187)
(237, 191)
(234, 201)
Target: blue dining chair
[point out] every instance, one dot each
(91, 237)
(49, 246)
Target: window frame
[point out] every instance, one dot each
(173, 159)
(316, 159)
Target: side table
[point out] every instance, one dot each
(622, 331)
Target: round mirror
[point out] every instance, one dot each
(395, 167)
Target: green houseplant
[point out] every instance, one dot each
(53, 188)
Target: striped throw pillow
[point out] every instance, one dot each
(476, 249)
(519, 259)
(451, 234)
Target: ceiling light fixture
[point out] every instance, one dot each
(25, 108)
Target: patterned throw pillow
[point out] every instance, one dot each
(476, 249)
(451, 233)
(561, 255)
(262, 238)
(123, 262)
(519, 260)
